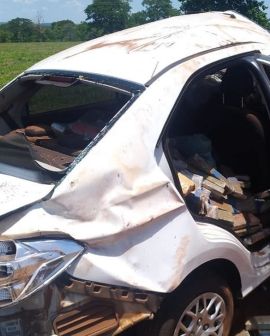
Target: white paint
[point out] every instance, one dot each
(118, 199)
(139, 53)
(16, 192)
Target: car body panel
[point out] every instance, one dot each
(140, 53)
(129, 212)
(17, 192)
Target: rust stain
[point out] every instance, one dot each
(128, 320)
(180, 261)
(125, 306)
(136, 44)
(156, 41)
(129, 44)
(92, 318)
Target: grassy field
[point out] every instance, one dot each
(16, 57)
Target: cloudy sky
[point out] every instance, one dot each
(55, 10)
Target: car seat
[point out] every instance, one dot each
(238, 134)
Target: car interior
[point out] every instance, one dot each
(218, 144)
(51, 121)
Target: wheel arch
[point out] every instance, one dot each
(218, 274)
(224, 269)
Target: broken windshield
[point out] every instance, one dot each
(51, 123)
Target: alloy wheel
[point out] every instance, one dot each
(203, 317)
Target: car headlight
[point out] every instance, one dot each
(27, 266)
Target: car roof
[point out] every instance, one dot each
(138, 54)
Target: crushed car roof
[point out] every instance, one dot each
(141, 53)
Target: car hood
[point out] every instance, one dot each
(16, 193)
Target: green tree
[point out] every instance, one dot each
(159, 9)
(64, 30)
(138, 18)
(253, 9)
(21, 30)
(106, 16)
(4, 34)
(83, 33)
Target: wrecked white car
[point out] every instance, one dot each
(134, 179)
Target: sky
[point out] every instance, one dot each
(51, 10)
(56, 10)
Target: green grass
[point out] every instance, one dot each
(17, 57)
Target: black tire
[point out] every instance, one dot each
(168, 317)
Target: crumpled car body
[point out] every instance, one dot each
(134, 237)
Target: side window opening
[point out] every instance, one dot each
(54, 98)
(57, 121)
(217, 141)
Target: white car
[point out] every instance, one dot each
(134, 178)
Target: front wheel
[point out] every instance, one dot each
(203, 306)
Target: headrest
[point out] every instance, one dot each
(237, 82)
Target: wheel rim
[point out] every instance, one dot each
(204, 316)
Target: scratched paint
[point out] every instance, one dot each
(118, 200)
(139, 53)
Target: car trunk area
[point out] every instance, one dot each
(217, 142)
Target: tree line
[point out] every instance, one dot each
(106, 16)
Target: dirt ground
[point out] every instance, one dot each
(257, 303)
